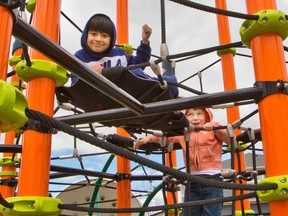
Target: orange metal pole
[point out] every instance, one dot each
(36, 150)
(170, 198)
(7, 191)
(269, 65)
(229, 83)
(5, 37)
(123, 165)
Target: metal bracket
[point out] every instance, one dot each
(10, 182)
(122, 176)
(270, 87)
(11, 4)
(40, 127)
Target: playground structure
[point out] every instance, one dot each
(269, 93)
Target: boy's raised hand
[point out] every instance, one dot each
(146, 33)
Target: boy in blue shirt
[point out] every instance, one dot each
(98, 49)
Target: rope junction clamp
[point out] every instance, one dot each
(12, 107)
(164, 51)
(269, 21)
(42, 68)
(32, 205)
(281, 193)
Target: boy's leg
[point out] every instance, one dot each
(213, 193)
(194, 195)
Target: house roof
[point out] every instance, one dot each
(226, 164)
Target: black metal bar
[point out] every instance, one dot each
(10, 148)
(71, 171)
(205, 100)
(35, 39)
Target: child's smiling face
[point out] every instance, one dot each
(196, 117)
(98, 41)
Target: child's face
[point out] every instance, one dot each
(196, 117)
(98, 41)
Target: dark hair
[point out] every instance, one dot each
(102, 24)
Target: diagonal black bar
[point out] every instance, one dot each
(205, 100)
(71, 171)
(35, 39)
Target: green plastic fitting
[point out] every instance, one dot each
(9, 173)
(8, 161)
(281, 193)
(14, 60)
(41, 68)
(241, 146)
(12, 108)
(269, 21)
(239, 213)
(128, 48)
(32, 205)
(30, 6)
(224, 51)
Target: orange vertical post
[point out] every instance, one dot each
(229, 82)
(170, 196)
(123, 165)
(7, 191)
(269, 65)
(5, 37)
(36, 150)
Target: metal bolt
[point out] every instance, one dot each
(264, 20)
(278, 85)
(284, 191)
(282, 179)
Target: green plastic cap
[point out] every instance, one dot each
(269, 21)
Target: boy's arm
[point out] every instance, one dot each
(145, 140)
(143, 52)
(221, 134)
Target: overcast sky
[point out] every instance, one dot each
(187, 30)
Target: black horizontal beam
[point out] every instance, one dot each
(205, 100)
